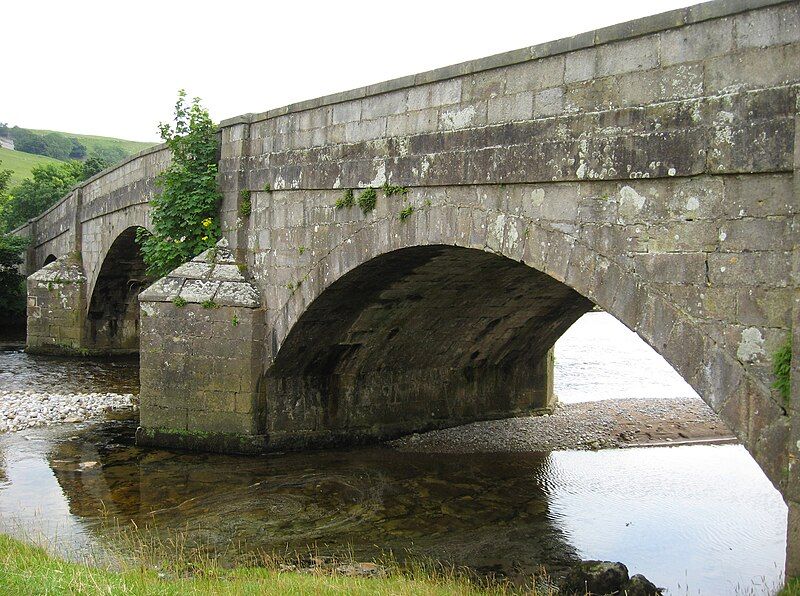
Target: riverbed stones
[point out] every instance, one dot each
(28, 409)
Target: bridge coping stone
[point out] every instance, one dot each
(212, 276)
(631, 29)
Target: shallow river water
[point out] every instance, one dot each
(695, 519)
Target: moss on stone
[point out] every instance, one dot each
(782, 368)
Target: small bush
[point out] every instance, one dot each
(346, 200)
(367, 200)
(246, 206)
(390, 190)
(406, 212)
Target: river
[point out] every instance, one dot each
(696, 519)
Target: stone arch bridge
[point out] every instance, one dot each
(650, 168)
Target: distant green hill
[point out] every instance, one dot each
(94, 143)
(113, 149)
(21, 163)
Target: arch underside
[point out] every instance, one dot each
(112, 320)
(419, 338)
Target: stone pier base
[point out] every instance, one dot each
(57, 308)
(200, 358)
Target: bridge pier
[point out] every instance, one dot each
(200, 358)
(57, 307)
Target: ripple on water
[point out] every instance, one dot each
(41, 374)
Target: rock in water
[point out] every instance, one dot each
(596, 577)
(639, 585)
(600, 578)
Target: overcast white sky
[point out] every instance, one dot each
(113, 68)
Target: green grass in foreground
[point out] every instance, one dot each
(21, 163)
(26, 569)
(95, 143)
(792, 588)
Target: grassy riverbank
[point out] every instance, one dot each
(26, 569)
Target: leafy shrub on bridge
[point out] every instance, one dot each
(184, 215)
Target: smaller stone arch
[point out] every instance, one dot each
(49, 259)
(112, 317)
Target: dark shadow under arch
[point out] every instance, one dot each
(421, 337)
(50, 259)
(113, 317)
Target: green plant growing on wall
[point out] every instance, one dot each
(184, 214)
(346, 200)
(301, 249)
(267, 187)
(209, 304)
(235, 320)
(406, 212)
(390, 190)
(781, 367)
(245, 206)
(179, 302)
(367, 200)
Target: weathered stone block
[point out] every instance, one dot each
(697, 42)
(57, 308)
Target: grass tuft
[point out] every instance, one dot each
(26, 569)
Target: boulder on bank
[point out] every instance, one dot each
(599, 578)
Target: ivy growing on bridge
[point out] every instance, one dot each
(184, 215)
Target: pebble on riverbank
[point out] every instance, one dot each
(25, 409)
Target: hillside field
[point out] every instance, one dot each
(94, 142)
(21, 163)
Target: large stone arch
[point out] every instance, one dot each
(419, 338)
(573, 262)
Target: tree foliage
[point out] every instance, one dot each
(12, 290)
(184, 215)
(49, 184)
(52, 144)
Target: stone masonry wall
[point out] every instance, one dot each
(56, 308)
(649, 166)
(201, 351)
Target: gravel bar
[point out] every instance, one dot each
(586, 425)
(27, 409)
